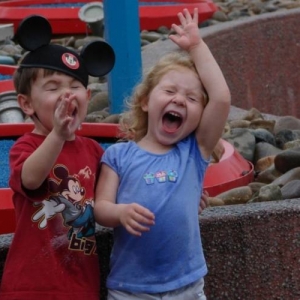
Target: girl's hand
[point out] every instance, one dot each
(187, 35)
(204, 201)
(136, 218)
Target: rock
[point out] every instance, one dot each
(243, 141)
(263, 149)
(150, 36)
(239, 124)
(291, 190)
(253, 114)
(163, 30)
(265, 124)
(293, 174)
(292, 144)
(287, 160)
(112, 119)
(268, 175)
(220, 16)
(256, 186)
(96, 116)
(264, 163)
(215, 201)
(237, 195)
(97, 87)
(268, 192)
(98, 102)
(286, 135)
(263, 135)
(287, 122)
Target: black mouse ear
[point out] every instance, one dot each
(99, 58)
(33, 32)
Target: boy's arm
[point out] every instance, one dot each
(38, 165)
(215, 114)
(134, 217)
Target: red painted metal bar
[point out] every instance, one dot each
(99, 130)
(7, 69)
(7, 212)
(7, 84)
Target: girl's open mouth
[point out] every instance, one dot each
(171, 121)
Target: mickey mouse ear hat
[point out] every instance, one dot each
(97, 58)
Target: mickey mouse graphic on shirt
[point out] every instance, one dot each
(68, 199)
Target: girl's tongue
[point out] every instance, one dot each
(171, 122)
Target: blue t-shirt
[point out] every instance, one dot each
(170, 255)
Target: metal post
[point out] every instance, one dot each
(122, 32)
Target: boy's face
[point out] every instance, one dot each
(46, 99)
(174, 106)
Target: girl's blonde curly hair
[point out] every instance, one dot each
(134, 122)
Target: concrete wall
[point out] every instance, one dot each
(252, 251)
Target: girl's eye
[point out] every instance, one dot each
(192, 98)
(170, 92)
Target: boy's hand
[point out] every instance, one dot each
(136, 218)
(64, 122)
(187, 35)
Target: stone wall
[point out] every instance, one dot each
(252, 251)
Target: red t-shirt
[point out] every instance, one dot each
(53, 252)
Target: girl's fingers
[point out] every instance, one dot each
(195, 16)
(187, 15)
(182, 19)
(136, 228)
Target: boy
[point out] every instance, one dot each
(53, 171)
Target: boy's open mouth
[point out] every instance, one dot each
(171, 121)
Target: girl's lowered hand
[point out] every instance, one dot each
(136, 218)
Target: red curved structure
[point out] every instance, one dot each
(230, 172)
(65, 20)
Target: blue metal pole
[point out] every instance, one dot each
(122, 32)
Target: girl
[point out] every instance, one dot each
(150, 187)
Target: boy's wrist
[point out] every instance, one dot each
(57, 138)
